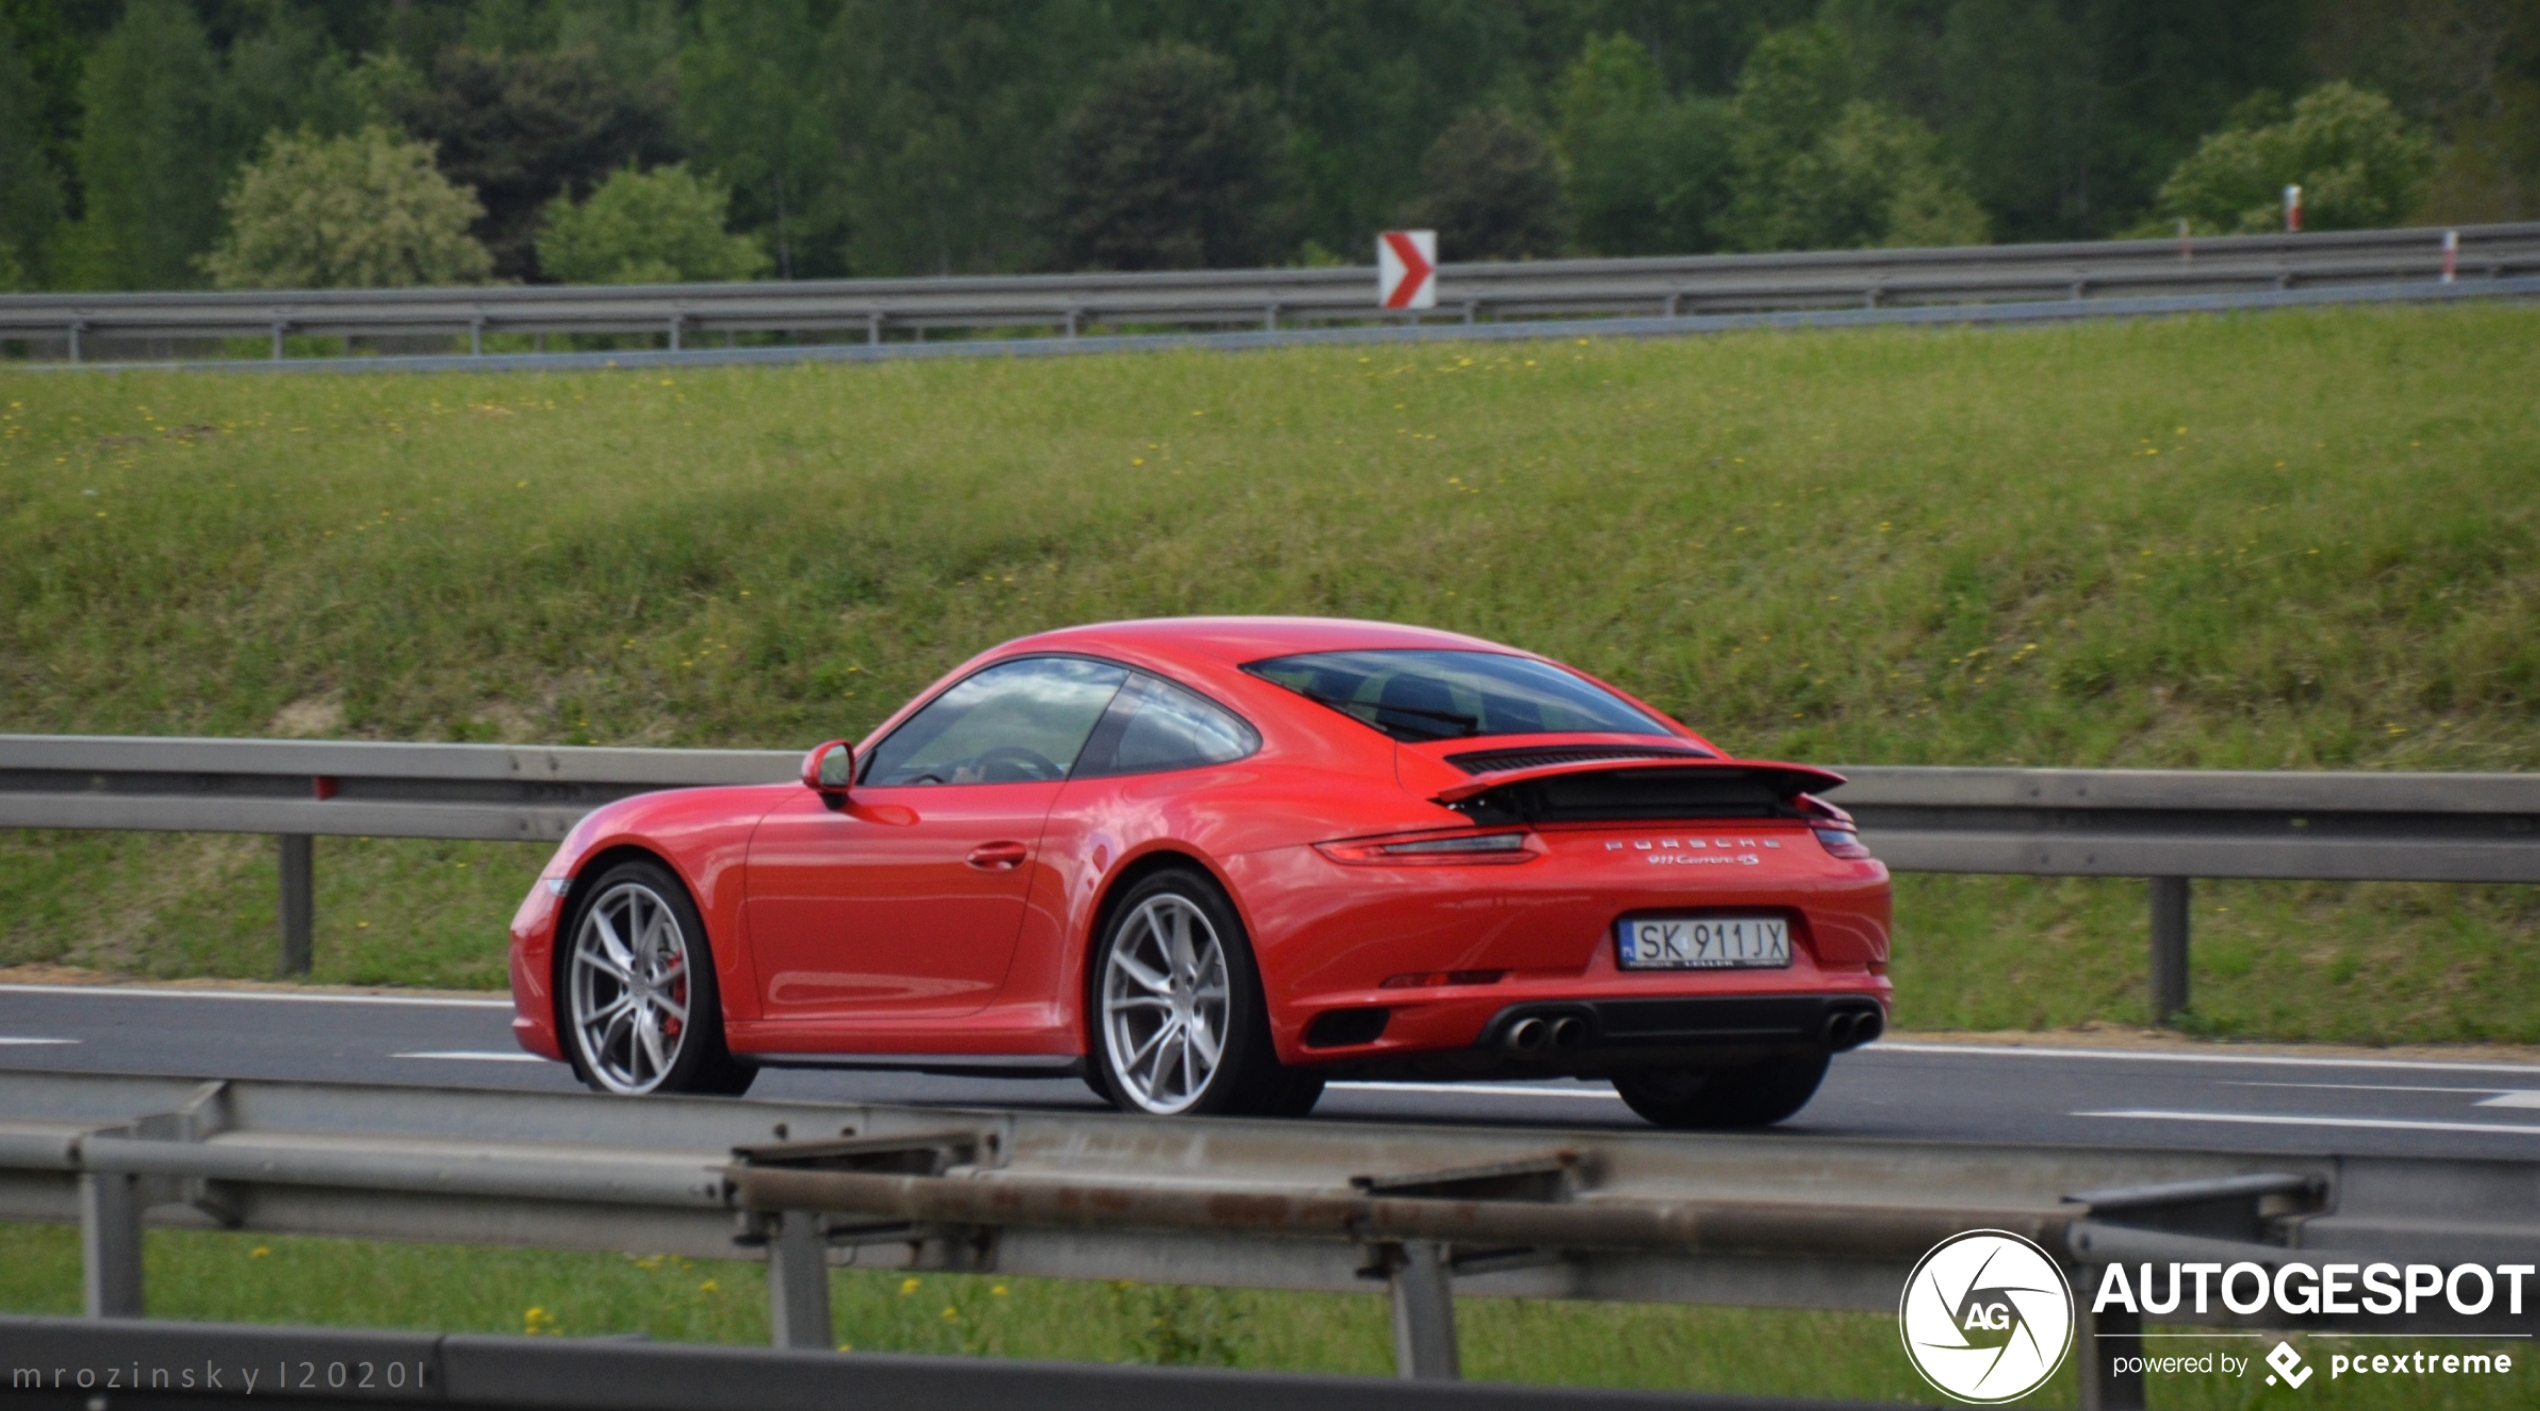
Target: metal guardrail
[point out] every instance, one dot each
(1423, 1213)
(1070, 305)
(338, 1367)
(2166, 825)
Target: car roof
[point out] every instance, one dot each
(1236, 640)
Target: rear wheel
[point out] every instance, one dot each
(642, 1013)
(1179, 1024)
(1749, 1095)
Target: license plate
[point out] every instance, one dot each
(1704, 943)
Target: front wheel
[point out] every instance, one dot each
(641, 1008)
(1179, 1024)
(1707, 1099)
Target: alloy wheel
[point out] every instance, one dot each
(1165, 1004)
(629, 988)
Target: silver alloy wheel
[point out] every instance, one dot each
(1165, 1004)
(629, 988)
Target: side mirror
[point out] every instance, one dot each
(830, 767)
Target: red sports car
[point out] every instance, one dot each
(1210, 863)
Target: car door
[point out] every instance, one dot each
(906, 900)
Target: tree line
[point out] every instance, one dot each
(176, 143)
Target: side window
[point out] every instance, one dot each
(1165, 727)
(1016, 722)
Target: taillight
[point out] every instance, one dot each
(1457, 848)
(1842, 842)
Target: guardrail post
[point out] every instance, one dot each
(279, 328)
(2169, 948)
(110, 1244)
(2107, 1339)
(475, 339)
(299, 900)
(76, 328)
(1423, 1314)
(675, 321)
(798, 1282)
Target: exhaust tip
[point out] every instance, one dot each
(1527, 1036)
(1869, 1026)
(1839, 1029)
(1568, 1032)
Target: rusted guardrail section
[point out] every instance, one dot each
(1423, 1213)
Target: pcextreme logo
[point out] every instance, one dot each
(1986, 1317)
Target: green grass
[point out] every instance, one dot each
(270, 1279)
(2294, 540)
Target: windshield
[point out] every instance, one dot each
(1446, 695)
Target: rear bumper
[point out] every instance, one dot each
(1635, 1028)
(1600, 1037)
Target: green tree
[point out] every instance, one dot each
(1648, 174)
(1170, 164)
(522, 129)
(1491, 187)
(2065, 115)
(366, 211)
(1820, 167)
(944, 113)
(55, 57)
(754, 95)
(30, 190)
(285, 75)
(2357, 161)
(149, 156)
(664, 226)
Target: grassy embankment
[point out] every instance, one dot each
(225, 1277)
(2291, 540)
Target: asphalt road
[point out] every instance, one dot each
(1925, 1091)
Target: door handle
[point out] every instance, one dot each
(998, 857)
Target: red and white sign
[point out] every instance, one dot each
(1406, 269)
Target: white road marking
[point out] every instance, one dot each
(9, 1042)
(2169, 1056)
(1475, 1090)
(2359, 1087)
(2263, 1119)
(292, 996)
(2503, 1097)
(472, 1055)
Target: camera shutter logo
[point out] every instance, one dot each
(1986, 1317)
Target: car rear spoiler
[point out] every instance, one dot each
(1647, 790)
(1785, 780)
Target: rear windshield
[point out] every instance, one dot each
(1446, 695)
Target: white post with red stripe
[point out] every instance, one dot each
(2451, 254)
(1406, 269)
(2293, 210)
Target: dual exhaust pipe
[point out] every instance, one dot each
(1851, 1028)
(1535, 1035)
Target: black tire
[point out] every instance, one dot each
(643, 895)
(1711, 1099)
(1247, 1079)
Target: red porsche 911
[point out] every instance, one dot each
(1210, 864)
